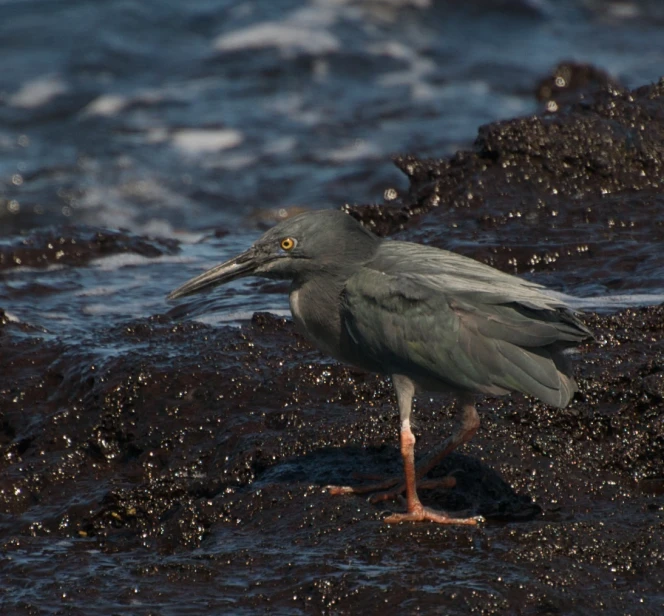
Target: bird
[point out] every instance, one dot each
(430, 319)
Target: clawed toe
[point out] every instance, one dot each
(336, 490)
(367, 489)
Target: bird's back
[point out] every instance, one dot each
(453, 273)
(447, 321)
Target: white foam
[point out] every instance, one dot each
(38, 92)
(305, 30)
(51, 267)
(360, 149)
(622, 10)
(232, 162)
(11, 318)
(115, 262)
(100, 291)
(122, 309)
(200, 141)
(124, 205)
(56, 316)
(414, 75)
(393, 49)
(106, 105)
(112, 104)
(164, 228)
(290, 39)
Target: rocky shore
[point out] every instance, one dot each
(193, 458)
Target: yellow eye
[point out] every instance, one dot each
(288, 243)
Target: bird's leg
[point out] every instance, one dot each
(466, 428)
(405, 392)
(416, 512)
(467, 425)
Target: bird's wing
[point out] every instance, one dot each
(472, 339)
(452, 273)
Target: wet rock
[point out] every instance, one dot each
(653, 385)
(223, 433)
(78, 246)
(571, 82)
(612, 145)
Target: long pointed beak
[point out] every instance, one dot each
(237, 267)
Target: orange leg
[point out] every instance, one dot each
(464, 431)
(415, 510)
(390, 489)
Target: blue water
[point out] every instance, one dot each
(166, 117)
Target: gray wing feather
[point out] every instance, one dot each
(475, 338)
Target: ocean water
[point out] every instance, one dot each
(172, 117)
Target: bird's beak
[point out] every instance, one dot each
(237, 267)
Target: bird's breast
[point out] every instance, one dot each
(316, 313)
(296, 311)
(317, 317)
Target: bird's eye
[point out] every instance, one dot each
(288, 243)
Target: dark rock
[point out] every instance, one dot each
(571, 82)
(77, 246)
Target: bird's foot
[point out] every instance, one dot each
(419, 513)
(391, 489)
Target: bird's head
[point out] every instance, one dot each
(312, 243)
